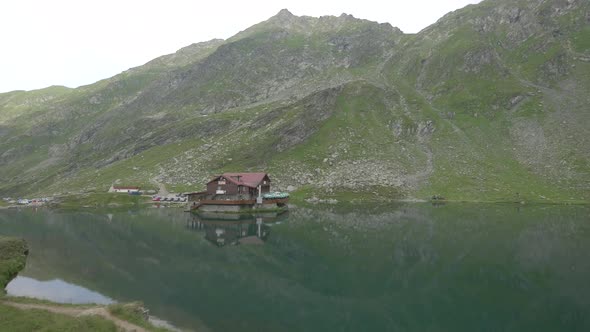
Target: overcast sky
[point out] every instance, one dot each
(77, 42)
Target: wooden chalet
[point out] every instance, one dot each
(231, 192)
(246, 184)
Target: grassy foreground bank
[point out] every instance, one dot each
(25, 314)
(18, 319)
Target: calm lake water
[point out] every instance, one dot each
(55, 290)
(416, 267)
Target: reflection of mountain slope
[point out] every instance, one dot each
(413, 268)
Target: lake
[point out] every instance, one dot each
(401, 267)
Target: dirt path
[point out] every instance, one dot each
(162, 188)
(79, 312)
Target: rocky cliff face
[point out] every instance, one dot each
(487, 103)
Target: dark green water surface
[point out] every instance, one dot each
(416, 267)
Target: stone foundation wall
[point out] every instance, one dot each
(266, 206)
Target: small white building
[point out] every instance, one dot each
(116, 189)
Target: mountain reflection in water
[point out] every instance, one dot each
(407, 267)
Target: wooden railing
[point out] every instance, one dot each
(242, 201)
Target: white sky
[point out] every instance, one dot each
(78, 42)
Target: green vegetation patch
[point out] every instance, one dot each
(13, 319)
(13, 256)
(135, 171)
(581, 40)
(102, 200)
(347, 195)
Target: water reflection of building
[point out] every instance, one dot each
(224, 229)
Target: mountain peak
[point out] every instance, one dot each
(284, 14)
(284, 17)
(347, 16)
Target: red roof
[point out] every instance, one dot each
(251, 180)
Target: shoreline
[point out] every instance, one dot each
(295, 202)
(89, 200)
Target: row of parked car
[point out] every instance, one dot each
(178, 199)
(25, 201)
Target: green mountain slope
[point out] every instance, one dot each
(488, 103)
